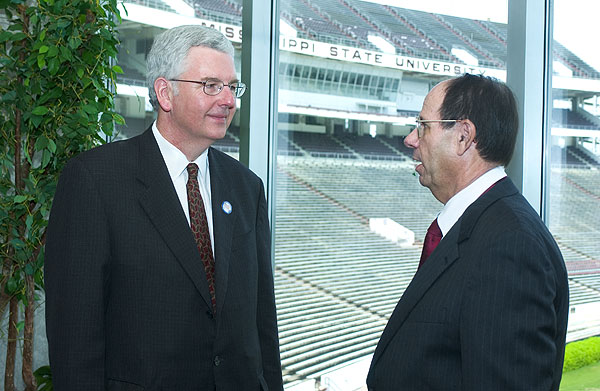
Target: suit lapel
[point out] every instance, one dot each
(442, 257)
(161, 204)
(223, 201)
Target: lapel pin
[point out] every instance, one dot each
(226, 206)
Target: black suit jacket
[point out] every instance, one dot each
(487, 310)
(127, 300)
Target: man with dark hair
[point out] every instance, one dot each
(158, 255)
(487, 308)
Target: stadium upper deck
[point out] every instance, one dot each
(413, 33)
(327, 51)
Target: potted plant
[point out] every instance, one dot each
(57, 87)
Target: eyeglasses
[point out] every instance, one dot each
(213, 87)
(421, 123)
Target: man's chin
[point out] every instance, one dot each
(423, 181)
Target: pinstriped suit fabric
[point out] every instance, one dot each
(127, 300)
(487, 310)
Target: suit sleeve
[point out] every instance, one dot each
(508, 323)
(76, 262)
(267, 317)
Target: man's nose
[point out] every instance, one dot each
(227, 97)
(412, 140)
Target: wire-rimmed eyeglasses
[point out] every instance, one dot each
(422, 122)
(213, 87)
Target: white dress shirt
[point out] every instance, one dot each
(456, 206)
(177, 166)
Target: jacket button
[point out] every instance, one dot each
(210, 314)
(217, 361)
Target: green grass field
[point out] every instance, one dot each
(583, 379)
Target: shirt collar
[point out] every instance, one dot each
(456, 206)
(175, 159)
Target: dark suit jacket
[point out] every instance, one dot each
(127, 301)
(487, 310)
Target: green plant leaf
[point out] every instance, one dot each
(5, 36)
(41, 143)
(18, 36)
(36, 120)
(19, 198)
(11, 285)
(52, 51)
(119, 119)
(90, 109)
(9, 96)
(51, 146)
(66, 53)
(17, 243)
(29, 221)
(40, 110)
(74, 42)
(41, 61)
(63, 23)
(53, 66)
(46, 155)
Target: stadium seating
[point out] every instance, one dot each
(572, 119)
(329, 266)
(156, 4)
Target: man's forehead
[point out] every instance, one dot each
(433, 101)
(439, 90)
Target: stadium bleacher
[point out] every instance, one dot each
(156, 4)
(572, 119)
(370, 147)
(332, 264)
(323, 273)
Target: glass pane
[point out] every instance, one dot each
(573, 185)
(145, 19)
(350, 215)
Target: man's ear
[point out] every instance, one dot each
(465, 133)
(164, 93)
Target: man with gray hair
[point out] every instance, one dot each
(158, 264)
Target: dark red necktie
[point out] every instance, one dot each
(432, 239)
(199, 226)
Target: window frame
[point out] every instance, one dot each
(528, 74)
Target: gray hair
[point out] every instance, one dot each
(170, 49)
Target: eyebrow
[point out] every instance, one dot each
(217, 79)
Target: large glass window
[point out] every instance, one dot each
(573, 186)
(350, 215)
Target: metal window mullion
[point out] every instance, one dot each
(529, 76)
